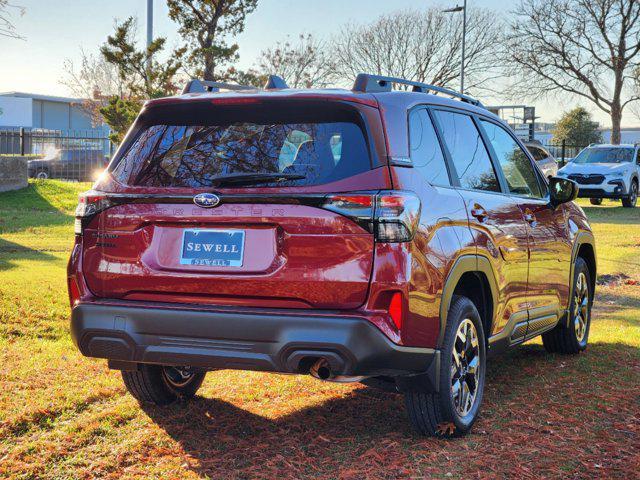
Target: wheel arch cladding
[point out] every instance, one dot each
(587, 252)
(472, 277)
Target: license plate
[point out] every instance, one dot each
(212, 248)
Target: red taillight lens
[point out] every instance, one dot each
(396, 309)
(89, 204)
(391, 215)
(358, 207)
(74, 291)
(397, 215)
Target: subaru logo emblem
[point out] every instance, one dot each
(206, 200)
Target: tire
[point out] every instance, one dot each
(42, 174)
(571, 337)
(631, 200)
(162, 385)
(440, 414)
(595, 201)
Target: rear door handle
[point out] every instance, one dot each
(479, 213)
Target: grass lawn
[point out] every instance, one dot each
(66, 416)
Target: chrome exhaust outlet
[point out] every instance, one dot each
(322, 371)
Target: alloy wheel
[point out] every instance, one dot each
(465, 368)
(581, 307)
(177, 376)
(633, 196)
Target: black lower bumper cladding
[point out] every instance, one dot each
(274, 341)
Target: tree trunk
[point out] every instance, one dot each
(616, 119)
(209, 68)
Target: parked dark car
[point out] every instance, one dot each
(394, 238)
(69, 164)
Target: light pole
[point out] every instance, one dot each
(462, 9)
(149, 30)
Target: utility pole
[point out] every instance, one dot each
(462, 9)
(149, 30)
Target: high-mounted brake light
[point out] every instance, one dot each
(89, 204)
(391, 215)
(235, 101)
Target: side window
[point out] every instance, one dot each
(518, 170)
(537, 153)
(468, 152)
(638, 156)
(426, 154)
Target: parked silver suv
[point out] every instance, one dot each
(606, 171)
(545, 161)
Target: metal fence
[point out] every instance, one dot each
(64, 154)
(563, 152)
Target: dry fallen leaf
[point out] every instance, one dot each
(445, 429)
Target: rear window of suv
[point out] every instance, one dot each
(321, 148)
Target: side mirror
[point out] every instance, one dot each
(562, 191)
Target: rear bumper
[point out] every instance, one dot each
(275, 341)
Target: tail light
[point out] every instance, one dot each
(391, 215)
(89, 204)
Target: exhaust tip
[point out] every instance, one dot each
(321, 370)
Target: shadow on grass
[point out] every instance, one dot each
(225, 440)
(10, 252)
(28, 208)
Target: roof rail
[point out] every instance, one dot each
(202, 86)
(275, 82)
(368, 83)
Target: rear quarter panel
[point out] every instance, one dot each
(443, 236)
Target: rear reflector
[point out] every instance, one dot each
(74, 291)
(391, 215)
(396, 309)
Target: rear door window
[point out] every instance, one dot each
(537, 153)
(517, 168)
(165, 155)
(426, 154)
(470, 157)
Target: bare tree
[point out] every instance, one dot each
(304, 64)
(424, 46)
(7, 28)
(95, 81)
(588, 48)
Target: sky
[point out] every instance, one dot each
(56, 30)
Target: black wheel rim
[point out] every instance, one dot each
(581, 308)
(177, 376)
(465, 368)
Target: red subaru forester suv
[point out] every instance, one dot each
(386, 234)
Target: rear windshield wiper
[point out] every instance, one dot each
(253, 178)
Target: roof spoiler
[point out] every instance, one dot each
(368, 83)
(202, 86)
